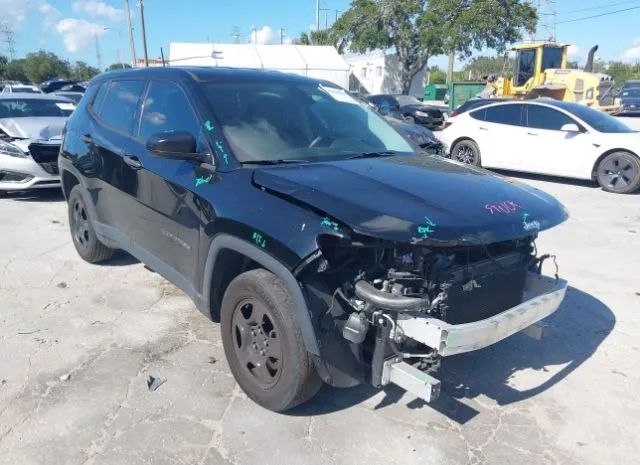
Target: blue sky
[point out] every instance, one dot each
(69, 27)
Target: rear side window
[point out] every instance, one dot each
(504, 114)
(119, 108)
(546, 118)
(100, 95)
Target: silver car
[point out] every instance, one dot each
(30, 135)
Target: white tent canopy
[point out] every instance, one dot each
(320, 62)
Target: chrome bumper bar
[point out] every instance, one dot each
(542, 297)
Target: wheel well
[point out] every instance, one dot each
(68, 183)
(608, 152)
(229, 264)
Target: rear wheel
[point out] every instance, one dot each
(263, 342)
(84, 237)
(466, 151)
(410, 119)
(619, 172)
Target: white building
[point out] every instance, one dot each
(378, 73)
(320, 62)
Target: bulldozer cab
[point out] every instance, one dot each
(531, 62)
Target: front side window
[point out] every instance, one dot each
(525, 66)
(551, 58)
(166, 109)
(271, 120)
(546, 118)
(121, 103)
(505, 114)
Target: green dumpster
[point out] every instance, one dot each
(460, 92)
(435, 91)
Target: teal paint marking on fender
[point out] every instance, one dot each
(330, 224)
(258, 239)
(425, 229)
(208, 125)
(225, 155)
(529, 225)
(203, 180)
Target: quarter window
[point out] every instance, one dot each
(99, 98)
(121, 104)
(540, 117)
(505, 114)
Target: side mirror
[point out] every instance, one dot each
(570, 127)
(179, 145)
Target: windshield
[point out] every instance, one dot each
(25, 108)
(598, 120)
(633, 93)
(407, 100)
(276, 120)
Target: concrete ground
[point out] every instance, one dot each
(78, 342)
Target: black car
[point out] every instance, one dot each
(55, 84)
(410, 108)
(421, 137)
(307, 226)
(630, 100)
(475, 103)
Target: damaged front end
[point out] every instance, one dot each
(387, 312)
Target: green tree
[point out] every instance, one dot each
(116, 66)
(82, 71)
(42, 65)
(322, 37)
(420, 29)
(3, 62)
(14, 71)
(437, 76)
(481, 66)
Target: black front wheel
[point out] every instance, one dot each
(263, 343)
(619, 172)
(466, 151)
(84, 237)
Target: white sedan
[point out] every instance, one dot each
(548, 137)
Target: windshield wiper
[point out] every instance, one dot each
(272, 162)
(382, 153)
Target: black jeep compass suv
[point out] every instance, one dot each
(297, 217)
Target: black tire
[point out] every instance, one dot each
(619, 172)
(410, 119)
(84, 237)
(466, 151)
(263, 343)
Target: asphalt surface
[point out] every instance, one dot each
(78, 343)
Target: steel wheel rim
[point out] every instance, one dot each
(80, 226)
(617, 172)
(465, 154)
(257, 343)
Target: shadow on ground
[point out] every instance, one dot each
(574, 333)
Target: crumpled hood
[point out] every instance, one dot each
(36, 127)
(416, 199)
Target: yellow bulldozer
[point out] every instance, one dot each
(541, 71)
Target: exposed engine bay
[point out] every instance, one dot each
(382, 290)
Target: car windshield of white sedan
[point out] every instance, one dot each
(26, 108)
(599, 120)
(275, 120)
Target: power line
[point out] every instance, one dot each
(598, 16)
(600, 7)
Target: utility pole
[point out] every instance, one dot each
(337, 11)
(7, 30)
(131, 43)
(317, 15)
(98, 56)
(452, 57)
(281, 35)
(144, 34)
(236, 35)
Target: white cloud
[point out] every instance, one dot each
(16, 11)
(95, 8)
(632, 54)
(264, 36)
(77, 34)
(50, 14)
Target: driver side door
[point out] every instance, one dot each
(167, 227)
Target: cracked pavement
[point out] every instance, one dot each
(78, 342)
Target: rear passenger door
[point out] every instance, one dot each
(114, 112)
(161, 190)
(499, 135)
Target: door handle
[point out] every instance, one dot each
(482, 129)
(86, 138)
(532, 134)
(133, 162)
